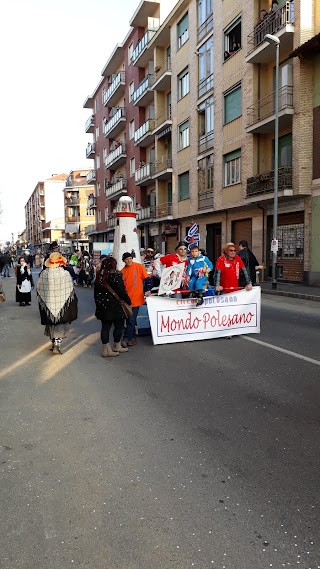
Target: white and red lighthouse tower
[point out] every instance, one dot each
(125, 235)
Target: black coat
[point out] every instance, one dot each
(23, 296)
(107, 306)
(250, 262)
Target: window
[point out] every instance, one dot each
(183, 186)
(205, 169)
(98, 189)
(183, 83)
(97, 161)
(232, 38)
(97, 132)
(131, 90)
(232, 168)
(285, 151)
(105, 153)
(106, 213)
(132, 166)
(96, 105)
(206, 124)
(232, 104)
(205, 18)
(205, 64)
(130, 52)
(131, 129)
(183, 135)
(183, 30)
(99, 215)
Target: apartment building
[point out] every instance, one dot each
(79, 209)
(201, 94)
(44, 212)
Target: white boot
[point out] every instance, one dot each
(118, 348)
(107, 351)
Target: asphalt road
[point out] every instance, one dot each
(203, 454)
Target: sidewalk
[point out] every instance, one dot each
(293, 290)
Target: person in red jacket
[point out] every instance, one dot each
(180, 256)
(228, 269)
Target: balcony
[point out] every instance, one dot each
(162, 75)
(111, 222)
(261, 115)
(139, 53)
(144, 135)
(205, 85)
(116, 157)
(92, 202)
(115, 91)
(205, 28)
(91, 150)
(162, 170)
(264, 183)
(91, 177)
(280, 24)
(143, 176)
(115, 124)
(143, 95)
(70, 219)
(90, 124)
(90, 229)
(205, 198)
(116, 189)
(206, 142)
(72, 201)
(163, 121)
(162, 211)
(143, 214)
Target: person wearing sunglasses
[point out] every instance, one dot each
(229, 267)
(180, 256)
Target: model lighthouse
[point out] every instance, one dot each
(125, 235)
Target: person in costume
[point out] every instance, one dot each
(58, 303)
(24, 283)
(228, 269)
(199, 267)
(171, 259)
(108, 307)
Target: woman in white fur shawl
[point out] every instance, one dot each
(58, 303)
(24, 283)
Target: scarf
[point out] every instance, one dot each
(55, 292)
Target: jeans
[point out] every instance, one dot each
(6, 272)
(117, 332)
(130, 331)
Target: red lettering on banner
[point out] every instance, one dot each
(192, 322)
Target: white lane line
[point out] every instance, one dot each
(299, 356)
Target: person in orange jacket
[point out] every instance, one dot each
(138, 285)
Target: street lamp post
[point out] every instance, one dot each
(274, 40)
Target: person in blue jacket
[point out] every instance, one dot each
(199, 267)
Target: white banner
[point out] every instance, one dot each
(181, 320)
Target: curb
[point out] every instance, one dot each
(292, 294)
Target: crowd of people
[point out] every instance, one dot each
(118, 294)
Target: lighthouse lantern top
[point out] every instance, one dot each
(125, 204)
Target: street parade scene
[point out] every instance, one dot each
(160, 285)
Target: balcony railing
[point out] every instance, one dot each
(271, 24)
(119, 151)
(119, 187)
(163, 164)
(161, 210)
(142, 174)
(118, 80)
(91, 177)
(92, 202)
(205, 198)
(111, 221)
(264, 183)
(90, 229)
(205, 85)
(72, 201)
(145, 84)
(162, 117)
(164, 67)
(142, 44)
(118, 115)
(265, 107)
(90, 150)
(143, 213)
(146, 128)
(206, 142)
(205, 28)
(89, 124)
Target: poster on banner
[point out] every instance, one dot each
(171, 278)
(181, 320)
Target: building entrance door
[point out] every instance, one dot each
(213, 241)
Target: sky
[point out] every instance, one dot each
(52, 55)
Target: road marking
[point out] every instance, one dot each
(299, 356)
